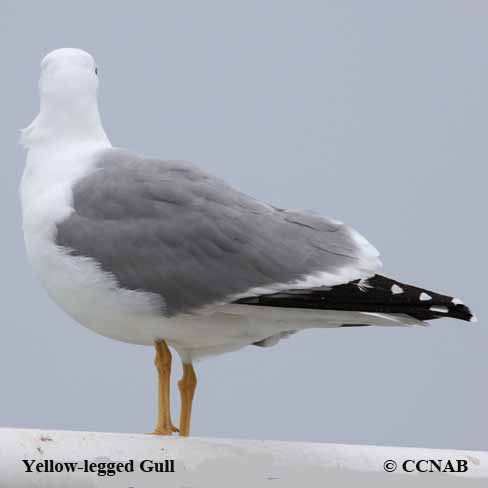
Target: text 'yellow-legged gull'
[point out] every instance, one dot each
(162, 253)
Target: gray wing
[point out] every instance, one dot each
(168, 228)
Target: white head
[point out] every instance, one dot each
(66, 75)
(68, 89)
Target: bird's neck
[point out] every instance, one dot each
(65, 123)
(62, 142)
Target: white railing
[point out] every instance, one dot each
(65, 459)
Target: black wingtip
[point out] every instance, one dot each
(460, 312)
(377, 294)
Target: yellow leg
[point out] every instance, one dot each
(162, 362)
(187, 386)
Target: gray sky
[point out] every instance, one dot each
(371, 112)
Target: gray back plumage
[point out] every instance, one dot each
(167, 227)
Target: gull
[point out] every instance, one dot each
(161, 253)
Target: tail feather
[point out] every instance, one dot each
(377, 294)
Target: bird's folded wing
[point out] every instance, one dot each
(168, 228)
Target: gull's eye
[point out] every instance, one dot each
(96, 71)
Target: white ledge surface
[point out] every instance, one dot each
(200, 462)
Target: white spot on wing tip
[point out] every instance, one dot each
(457, 301)
(396, 290)
(439, 308)
(424, 297)
(473, 319)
